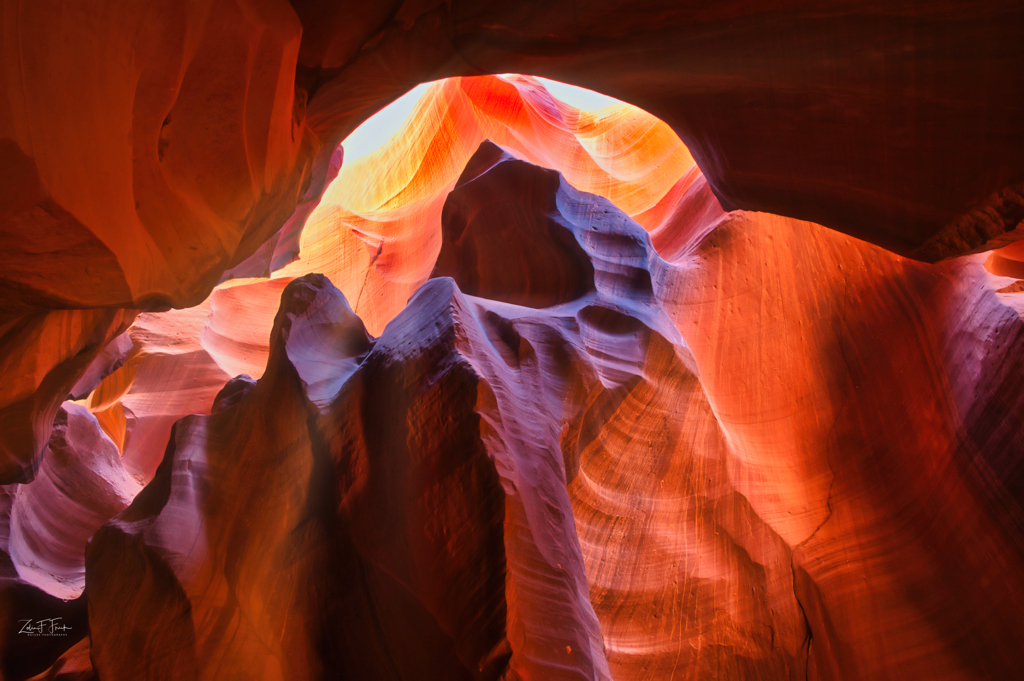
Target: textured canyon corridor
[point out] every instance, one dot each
(712, 371)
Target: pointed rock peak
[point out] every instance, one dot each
(233, 392)
(487, 155)
(431, 315)
(504, 239)
(323, 338)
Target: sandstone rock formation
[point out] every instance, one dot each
(558, 405)
(45, 526)
(509, 244)
(377, 232)
(80, 486)
(857, 395)
(178, 362)
(782, 106)
(44, 353)
(373, 236)
(655, 472)
(137, 175)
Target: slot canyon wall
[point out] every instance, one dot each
(724, 387)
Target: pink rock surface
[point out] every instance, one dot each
(739, 446)
(80, 486)
(136, 175)
(179, 362)
(761, 450)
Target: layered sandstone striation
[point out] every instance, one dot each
(44, 353)
(675, 461)
(886, 121)
(80, 486)
(148, 152)
(377, 232)
(44, 527)
(176, 362)
(317, 483)
(851, 403)
(457, 415)
(382, 230)
(145, 149)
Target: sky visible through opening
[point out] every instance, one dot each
(380, 127)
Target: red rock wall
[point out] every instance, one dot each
(147, 150)
(744, 446)
(691, 465)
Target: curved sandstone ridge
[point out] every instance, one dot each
(43, 355)
(44, 527)
(149, 151)
(181, 358)
(80, 486)
(853, 407)
(550, 408)
(693, 467)
(379, 229)
(427, 598)
(178, 362)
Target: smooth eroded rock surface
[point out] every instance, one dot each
(696, 466)
(578, 421)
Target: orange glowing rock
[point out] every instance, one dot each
(640, 437)
(602, 441)
(179, 361)
(416, 480)
(376, 233)
(751, 476)
(851, 386)
(44, 354)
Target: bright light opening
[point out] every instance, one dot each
(377, 130)
(382, 126)
(581, 98)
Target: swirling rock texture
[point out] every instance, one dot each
(178, 362)
(181, 358)
(869, 380)
(148, 150)
(377, 233)
(582, 486)
(45, 525)
(81, 485)
(645, 435)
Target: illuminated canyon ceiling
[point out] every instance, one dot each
(725, 382)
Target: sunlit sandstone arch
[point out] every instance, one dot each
(779, 446)
(377, 231)
(147, 150)
(887, 121)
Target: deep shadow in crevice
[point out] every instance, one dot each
(502, 238)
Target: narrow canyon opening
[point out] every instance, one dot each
(500, 383)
